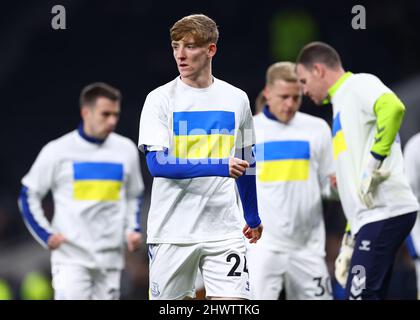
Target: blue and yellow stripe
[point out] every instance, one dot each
(203, 134)
(100, 181)
(283, 160)
(339, 143)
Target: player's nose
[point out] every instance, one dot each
(112, 121)
(180, 54)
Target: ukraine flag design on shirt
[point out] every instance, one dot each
(203, 134)
(100, 181)
(339, 143)
(283, 161)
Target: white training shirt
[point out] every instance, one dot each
(412, 169)
(294, 162)
(353, 136)
(96, 190)
(195, 123)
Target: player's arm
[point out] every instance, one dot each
(134, 198)
(412, 166)
(248, 193)
(389, 111)
(161, 164)
(343, 260)
(35, 185)
(326, 174)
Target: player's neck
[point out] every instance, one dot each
(87, 134)
(202, 80)
(334, 76)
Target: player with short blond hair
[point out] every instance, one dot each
(294, 172)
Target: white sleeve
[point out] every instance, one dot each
(246, 133)
(135, 190)
(412, 164)
(153, 129)
(369, 89)
(326, 163)
(40, 177)
(36, 184)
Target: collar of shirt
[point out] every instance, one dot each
(335, 86)
(90, 139)
(271, 116)
(268, 114)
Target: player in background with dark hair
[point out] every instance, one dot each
(94, 176)
(374, 192)
(412, 169)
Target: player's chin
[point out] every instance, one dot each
(185, 73)
(317, 101)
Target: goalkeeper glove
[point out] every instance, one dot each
(371, 178)
(342, 262)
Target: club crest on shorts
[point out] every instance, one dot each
(154, 289)
(365, 245)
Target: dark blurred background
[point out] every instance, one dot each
(126, 43)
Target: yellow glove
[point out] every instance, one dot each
(342, 262)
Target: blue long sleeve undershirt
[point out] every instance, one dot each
(161, 164)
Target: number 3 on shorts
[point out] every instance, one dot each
(236, 262)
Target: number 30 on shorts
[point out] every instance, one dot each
(236, 260)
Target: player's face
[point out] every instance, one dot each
(284, 99)
(313, 83)
(192, 60)
(101, 119)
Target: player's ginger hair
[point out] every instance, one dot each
(200, 27)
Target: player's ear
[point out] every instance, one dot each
(211, 50)
(266, 92)
(318, 70)
(84, 110)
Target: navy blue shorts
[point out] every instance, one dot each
(374, 253)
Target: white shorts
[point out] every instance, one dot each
(173, 269)
(417, 267)
(303, 276)
(415, 236)
(74, 282)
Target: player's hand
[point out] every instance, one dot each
(371, 178)
(55, 241)
(333, 180)
(134, 240)
(342, 262)
(237, 167)
(254, 234)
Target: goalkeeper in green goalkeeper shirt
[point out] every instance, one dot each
(376, 197)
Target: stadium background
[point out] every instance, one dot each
(126, 43)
